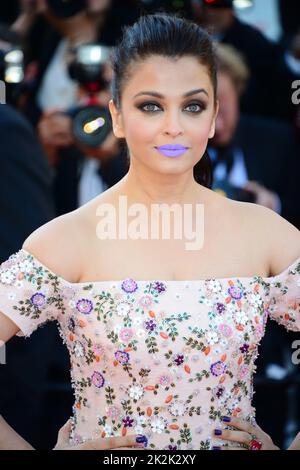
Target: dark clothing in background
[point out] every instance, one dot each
(25, 204)
(272, 153)
(269, 89)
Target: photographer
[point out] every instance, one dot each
(253, 157)
(82, 170)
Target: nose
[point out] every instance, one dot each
(172, 126)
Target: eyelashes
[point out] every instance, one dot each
(198, 107)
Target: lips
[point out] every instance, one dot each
(175, 150)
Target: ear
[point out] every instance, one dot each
(117, 121)
(213, 124)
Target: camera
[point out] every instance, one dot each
(11, 63)
(91, 122)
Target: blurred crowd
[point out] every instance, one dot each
(58, 152)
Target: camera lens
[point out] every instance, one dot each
(91, 125)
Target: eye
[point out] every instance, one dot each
(196, 108)
(148, 107)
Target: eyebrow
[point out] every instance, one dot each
(158, 95)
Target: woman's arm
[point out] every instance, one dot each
(10, 440)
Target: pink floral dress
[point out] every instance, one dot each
(166, 359)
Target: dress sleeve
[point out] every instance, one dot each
(284, 301)
(30, 294)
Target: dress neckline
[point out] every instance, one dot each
(168, 281)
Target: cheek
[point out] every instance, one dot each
(199, 132)
(139, 130)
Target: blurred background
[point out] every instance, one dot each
(58, 152)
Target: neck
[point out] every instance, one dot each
(148, 187)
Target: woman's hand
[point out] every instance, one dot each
(109, 443)
(245, 434)
(295, 445)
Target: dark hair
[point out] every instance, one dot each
(169, 36)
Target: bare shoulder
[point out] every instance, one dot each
(279, 239)
(63, 243)
(59, 244)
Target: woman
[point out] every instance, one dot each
(162, 335)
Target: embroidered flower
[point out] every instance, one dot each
(113, 412)
(7, 277)
(128, 422)
(135, 391)
(150, 325)
(146, 301)
(218, 391)
(38, 299)
(123, 309)
(79, 349)
(98, 350)
(140, 420)
(98, 379)
(129, 286)
(219, 308)
(140, 333)
(126, 334)
(137, 321)
(178, 359)
(226, 330)
(241, 318)
(243, 371)
(235, 292)
(258, 332)
(171, 447)
(84, 306)
(122, 357)
(218, 368)
(165, 380)
(159, 287)
(26, 266)
(255, 300)
(214, 286)
(158, 424)
(245, 348)
(177, 408)
(212, 337)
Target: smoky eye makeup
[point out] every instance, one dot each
(152, 107)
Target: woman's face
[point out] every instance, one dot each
(168, 118)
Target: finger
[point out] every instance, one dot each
(64, 432)
(234, 436)
(110, 443)
(228, 447)
(233, 448)
(129, 448)
(242, 425)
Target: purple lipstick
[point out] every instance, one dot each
(172, 150)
